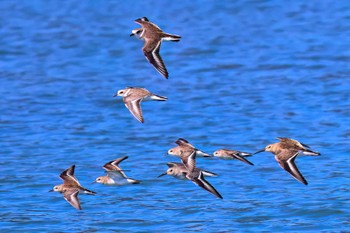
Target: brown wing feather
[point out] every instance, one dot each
(113, 165)
(68, 176)
(240, 158)
(135, 109)
(151, 52)
(72, 198)
(189, 160)
(201, 182)
(290, 167)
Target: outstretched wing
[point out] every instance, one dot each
(117, 176)
(135, 109)
(184, 143)
(189, 159)
(68, 175)
(72, 198)
(151, 52)
(240, 158)
(201, 182)
(291, 168)
(113, 165)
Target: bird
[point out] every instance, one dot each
(115, 175)
(177, 170)
(286, 152)
(153, 37)
(189, 172)
(233, 154)
(71, 188)
(132, 97)
(183, 146)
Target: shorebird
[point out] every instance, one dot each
(285, 153)
(177, 170)
(190, 172)
(115, 175)
(71, 188)
(185, 146)
(132, 97)
(233, 154)
(153, 37)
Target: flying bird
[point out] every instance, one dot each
(286, 152)
(153, 37)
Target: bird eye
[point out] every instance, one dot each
(171, 170)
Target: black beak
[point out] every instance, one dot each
(132, 34)
(259, 151)
(93, 182)
(116, 94)
(50, 190)
(163, 174)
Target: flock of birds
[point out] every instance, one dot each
(285, 151)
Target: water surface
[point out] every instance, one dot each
(244, 73)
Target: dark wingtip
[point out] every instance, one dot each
(182, 139)
(142, 19)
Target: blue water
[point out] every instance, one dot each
(243, 73)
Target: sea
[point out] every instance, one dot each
(243, 74)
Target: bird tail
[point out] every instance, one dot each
(132, 181)
(158, 97)
(208, 173)
(200, 153)
(89, 192)
(310, 152)
(170, 37)
(244, 154)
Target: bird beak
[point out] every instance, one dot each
(166, 153)
(116, 94)
(93, 182)
(132, 34)
(50, 190)
(259, 151)
(163, 174)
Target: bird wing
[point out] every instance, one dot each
(71, 196)
(201, 182)
(117, 175)
(172, 164)
(290, 167)
(208, 173)
(240, 158)
(151, 52)
(184, 143)
(189, 159)
(113, 165)
(68, 176)
(292, 142)
(135, 108)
